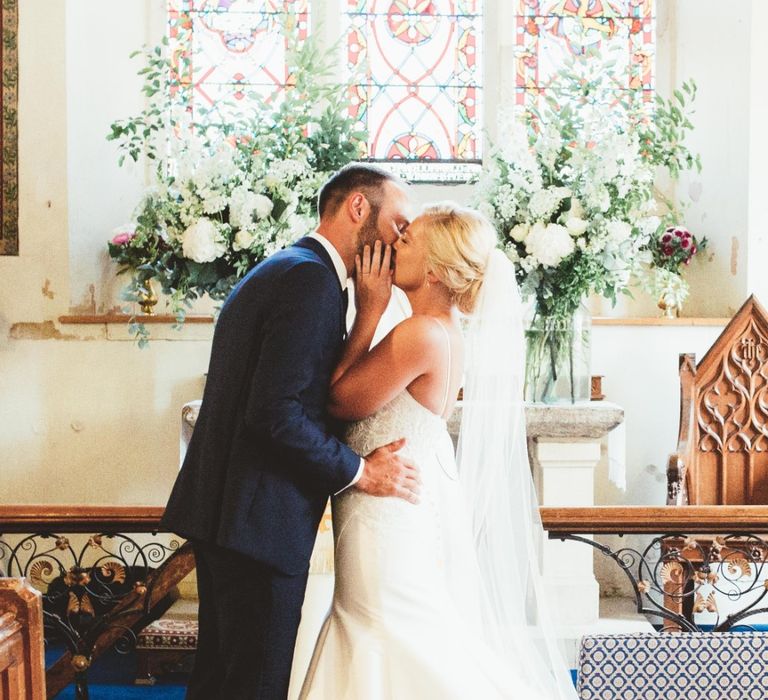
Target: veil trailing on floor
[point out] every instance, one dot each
(496, 478)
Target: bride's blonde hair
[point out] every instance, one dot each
(459, 243)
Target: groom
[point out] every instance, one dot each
(262, 460)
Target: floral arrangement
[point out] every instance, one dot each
(226, 195)
(571, 192)
(671, 249)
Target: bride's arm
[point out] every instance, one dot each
(367, 379)
(376, 376)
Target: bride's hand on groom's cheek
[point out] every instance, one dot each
(373, 279)
(388, 474)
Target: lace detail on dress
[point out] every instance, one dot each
(428, 444)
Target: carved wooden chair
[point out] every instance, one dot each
(722, 450)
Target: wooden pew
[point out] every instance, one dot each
(22, 666)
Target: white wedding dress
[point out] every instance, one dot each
(403, 624)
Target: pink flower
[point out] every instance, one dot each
(123, 238)
(693, 251)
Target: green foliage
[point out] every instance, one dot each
(227, 192)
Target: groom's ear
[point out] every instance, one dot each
(358, 207)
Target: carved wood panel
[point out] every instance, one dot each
(733, 406)
(9, 172)
(732, 418)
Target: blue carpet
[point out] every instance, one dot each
(111, 678)
(128, 692)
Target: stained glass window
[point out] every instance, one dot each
(228, 50)
(548, 31)
(417, 72)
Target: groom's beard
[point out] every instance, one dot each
(369, 231)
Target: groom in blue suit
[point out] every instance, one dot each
(263, 458)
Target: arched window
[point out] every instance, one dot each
(547, 32)
(417, 72)
(233, 50)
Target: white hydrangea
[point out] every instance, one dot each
(544, 202)
(203, 242)
(549, 243)
(213, 200)
(282, 172)
(244, 204)
(618, 231)
(506, 204)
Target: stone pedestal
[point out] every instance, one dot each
(564, 448)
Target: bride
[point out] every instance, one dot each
(441, 599)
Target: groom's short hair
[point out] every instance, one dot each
(356, 177)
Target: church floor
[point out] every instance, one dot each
(112, 677)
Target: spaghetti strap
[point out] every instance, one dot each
(448, 373)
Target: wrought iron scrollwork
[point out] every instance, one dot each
(675, 577)
(87, 589)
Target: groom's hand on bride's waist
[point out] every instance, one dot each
(388, 474)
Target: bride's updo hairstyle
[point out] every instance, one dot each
(459, 244)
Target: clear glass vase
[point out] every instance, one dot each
(557, 367)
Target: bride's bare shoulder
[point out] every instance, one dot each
(419, 329)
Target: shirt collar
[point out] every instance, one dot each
(338, 263)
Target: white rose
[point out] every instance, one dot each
(519, 232)
(576, 226)
(618, 231)
(549, 244)
(202, 242)
(262, 205)
(243, 239)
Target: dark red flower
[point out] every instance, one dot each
(685, 242)
(667, 250)
(666, 238)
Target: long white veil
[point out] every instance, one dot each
(496, 478)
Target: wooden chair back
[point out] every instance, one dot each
(722, 451)
(22, 665)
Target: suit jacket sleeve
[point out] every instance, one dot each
(300, 346)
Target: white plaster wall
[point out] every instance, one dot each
(640, 369)
(102, 86)
(81, 421)
(714, 48)
(757, 247)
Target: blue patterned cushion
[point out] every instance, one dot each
(684, 666)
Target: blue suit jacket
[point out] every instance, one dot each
(262, 459)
